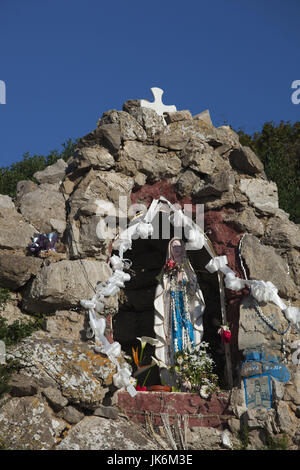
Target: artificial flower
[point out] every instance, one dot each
(141, 389)
(159, 363)
(204, 392)
(135, 356)
(147, 339)
(193, 369)
(225, 333)
(187, 384)
(170, 264)
(132, 381)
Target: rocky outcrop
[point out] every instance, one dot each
(63, 284)
(96, 433)
(67, 367)
(64, 388)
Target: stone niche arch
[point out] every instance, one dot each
(135, 317)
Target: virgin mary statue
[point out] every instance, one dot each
(179, 307)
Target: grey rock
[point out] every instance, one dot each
(65, 324)
(15, 232)
(217, 201)
(96, 157)
(282, 233)
(177, 134)
(263, 195)
(175, 116)
(62, 285)
(188, 183)
(39, 206)
(151, 122)
(204, 116)
(173, 140)
(58, 226)
(215, 185)
(260, 418)
(27, 423)
(56, 400)
(6, 202)
(287, 421)
(130, 128)
(52, 173)
(204, 438)
(264, 264)
(106, 412)
(251, 368)
(253, 331)
(16, 269)
(25, 186)
(100, 185)
(71, 415)
(138, 158)
(292, 393)
(87, 238)
(234, 425)
(199, 156)
(246, 161)
(277, 389)
(95, 433)
(81, 375)
(111, 135)
(21, 385)
(292, 258)
(131, 106)
(245, 220)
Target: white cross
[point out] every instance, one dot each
(157, 104)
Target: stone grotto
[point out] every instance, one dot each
(84, 244)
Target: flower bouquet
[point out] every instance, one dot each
(138, 358)
(172, 267)
(194, 371)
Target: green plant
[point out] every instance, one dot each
(12, 334)
(244, 436)
(16, 331)
(278, 147)
(25, 169)
(6, 370)
(4, 297)
(277, 443)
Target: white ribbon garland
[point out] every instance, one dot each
(260, 290)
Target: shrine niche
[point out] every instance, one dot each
(136, 314)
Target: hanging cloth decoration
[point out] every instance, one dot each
(43, 242)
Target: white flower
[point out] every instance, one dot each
(133, 381)
(147, 339)
(204, 391)
(179, 360)
(159, 363)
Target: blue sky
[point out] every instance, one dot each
(65, 62)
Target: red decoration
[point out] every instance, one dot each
(226, 335)
(141, 389)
